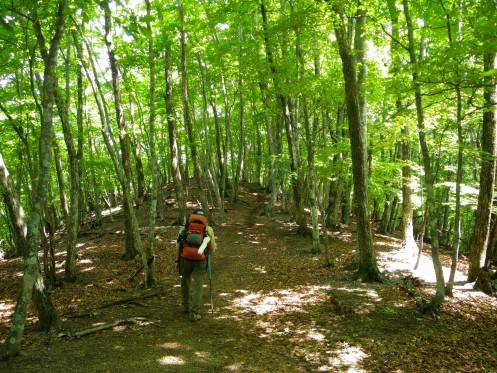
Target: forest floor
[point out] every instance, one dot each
(276, 308)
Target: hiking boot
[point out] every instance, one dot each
(195, 317)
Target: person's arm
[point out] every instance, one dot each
(212, 243)
(181, 236)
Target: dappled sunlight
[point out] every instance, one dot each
(316, 335)
(345, 358)
(426, 272)
(202, 354)
(236, 367)
(171, 360)
(6, 309)
(260, 269)
(279, 301)
(111, 211)
(370, 293)
(171, 346)
(85, 261)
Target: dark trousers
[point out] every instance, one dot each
(192, 283)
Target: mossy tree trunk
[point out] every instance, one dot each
(31, 273)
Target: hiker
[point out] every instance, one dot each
(193, 237)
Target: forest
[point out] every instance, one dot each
(344, 153)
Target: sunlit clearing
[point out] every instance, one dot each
(346, 357)
(287, 300)
(18, 274)
(86, 261)
(88, 269)
(171, 360)
(119, 348)
(254, 242)
(78, 245)
(119, 328)
(171, 345)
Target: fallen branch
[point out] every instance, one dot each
(81, 333)
(128, 300)
(149, 263)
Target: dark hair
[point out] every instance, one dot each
(199, 212)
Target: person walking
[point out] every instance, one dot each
(196, 242)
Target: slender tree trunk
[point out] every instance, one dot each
(310, 135)
(208, 163)
(31, 265)
(337, 187)
(149, 279)
(487, 173)
(60, 182)
(132, 224)
(15, 210)
(273, 172)
(71, 215)
(409, 245)
(188, 119)
(173, 142)
(290, 127)
(241, 142)
(438, 298)
(368, 269)
(459, 175)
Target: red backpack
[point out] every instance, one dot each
(194, 235)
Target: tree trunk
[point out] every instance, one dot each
(188, 119)
(125, 176)
(409, 245)
(31, 265)
(487, 174)
(15, 210)
(368, 269)
(438, 298)
(149, 279)
(459, 175)
(290, 127)
(173, 142)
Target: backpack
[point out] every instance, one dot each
(194, 235)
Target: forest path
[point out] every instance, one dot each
(276, 308)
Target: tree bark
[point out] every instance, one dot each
(125, 176)
(188, 119)
(368, 269)
(439, 296)
(173, 142)
(149, 279)
(481, 227)
(290, 127)
(31, 265)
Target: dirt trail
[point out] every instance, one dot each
(276, 309)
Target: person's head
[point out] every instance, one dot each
(199, 211)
